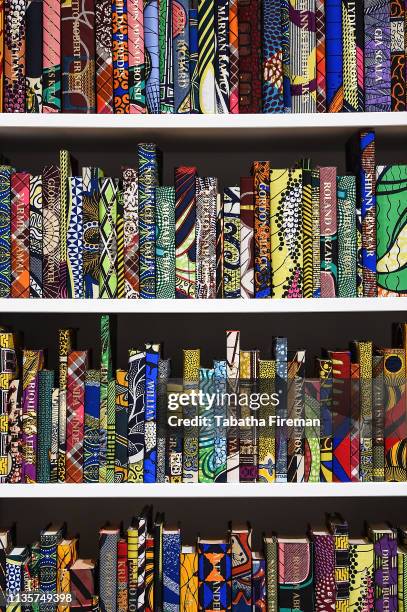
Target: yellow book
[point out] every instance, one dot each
(67, 554)
(361, 559)
(267, 441)
(189, 579)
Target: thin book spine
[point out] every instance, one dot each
(397, 55)
(14, 56)
(232, 373)
(222, 64)
(32, 364)
(272, 86)
(51, 193)
(45, 385)
(247, 200)
(136, 376)
(250, 83)
(262, 278)
(328, 232)
(91, 427)
(233, 57)
(206, 195)
(131, 234)
(165, 39)
(137, 67)
(353, 50)
(104, 57)
(303, 57)
(108, 238)
(150, 424)
(5, 230)
(185, 232)
(75, 238)
(151, 49)
(20, 235)
(231, 247)
(180, 33)
(75, 400)
(193, 61)
(90, 200)
(120, 57)
(377, 56)
(320, 55)
(36, 237)
(334, 56)
(165, 242)
(51, 57)
(33, 72)
(206, 59)
(148, 172)
(347, 238)
(66, 339)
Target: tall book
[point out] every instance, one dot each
(32, 364)
(67, 168)
(267, 434)
(316, 242)
(222, 86)
(108, 542)
(33, 68)
(171, 568)
(307, 228)
(259, 585)
(108, 237)
(90, 203)
(136, 380)
(193, 60)
(285, 47)
(75, 416)
(324, 371)
(249, 56)
(137, 66)
(20, 235)
(303, 56)
(150, 414)
(6, 545)
(165, 242)
(152, 56)
(401, 578)
(232, 242)
(378, 418)
(104, 57)
(232, 373)
(122, 406)
(8, 372)
(219, 246)
(91, 427)
(185, 232)
(16, 560)
(2, 32)
(295, 409)
(312, 412)
(193, 447)
(214, 574)
(247, 201)
(50, 537)
(131, 234)
(14, 56)
(328, 232)
(164, 372)
(5, 230)
(14, 435)
(120, 57)
(397, 55)
(261, 178)
(334, 56)
(51, 57)
(148, 173)
(36, 236)
(206, 197)
(242, 567)
(384, 540)
(340, 410)
(180, 51)
(206, 439)
(67, 553)
(271, 553)
(272, 86)
(165, 40)
(362, 354)
(132, 561)
(74, 238)
(66, 339)
(45, 386)
(122, 576)
(340, 531)
(361, 590)
(280, 354)
(295, 585)
(355, 422)
(347, 236)
(324, 568)
(120, 245)
(377, 56)
(320, 55)
(51, 193)
(188, 596)
(206, 56)
(233, 57)
(353, 39)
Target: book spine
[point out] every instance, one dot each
(241, 547)
(347, 239)
(365, 411)
(307, 230)
(262, 269)
(75, 398)
(137, 67)
(120, 57)
(137, 377)
(397, 55)
(341, 469)
(219, 377)
(188, 454)
(141, 561)
(401, 581)
(108, 237)
(342, 563)
(111, 425)
(65, 168)
(316, 244)
(367, 180)
(353, 50)
(91, 429)
(51, 193)
(132, 561)
(8, 371)
(120, 244)
(272, 89)
(193, 61)
(148, 180)
(362, 588)
(83, 585)
(33, 68)
(385, 570)
(220, 235)
(180, 50)
(296, 406)
(206, 436)
(354, 432)
(78, 57)
(122, 577)
(164, 370)
(326, 452)
(214, 557)
(206, 197)
(320, 55)
(280, 355)
(233, 57)
(104, 57)
(20, 235)
(247, 201)
(75, 238)
(250, 84)
(324, 582)
(2, 37)
(108, 543)
(378, 422)
(122, 406)
(222, 86)
(231, 247)
(105, 376)
(286, 263)
(45, 385)
(32, 364)
(150, 577)
(171, 570)
(51, 57)
(232, 373)
(165, 242)
(14, 437)
(259, 587)
(36, 236)
(48, 563)
(267, 436)
(377, 56)
(131, 233)
(185, 232)
(66, 555)
(153, 56)
(303, 56)
(5, 228)
(165, 38)
(328, 233)
(14, 56)
(285, 44)
(188, 581)
(312, 410)
(65, 343)
(300, 587)
(334, 56)
(270, 549)
(395, 428)
(206, 56)
(90, 201)
(150, 425)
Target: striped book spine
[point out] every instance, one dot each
(341, 439)
(33, 68)
(150, 415)
(247, 200)
(281, 357)
(334, 56)
(8, 371)
(272, 88)
(355, 429)
(219, 246)
(206, 56)
(231, 248)
(137, 67)
(131, 234)
(108, 543)
(250, 84)
(347, 239)
(78, 56)
(82, 578)
(51, 194)
(262, 270)
(285, 35)
(303, 56)
(91, 427)
(111, 430)
(222, 86)
(320, 55)
(132, 561)
(75, 238)
(307, 231)
(14, 56)
(2, 34)
(378, 420)
(184, 459)
(185, 232)
(148, 172)
(104, 57)
(75, 415)
(122, 405)
(90, 203)
(232, 373)
(295, 408)
(120, 245)
(32, 364)
(316, 244)
(108, 237)
(324, 367)
(66, 338)
(241, 544)
(36, 237)
(193, 61)
(65, 169)
(51, 57)
(397, 55)
(107, 406)
(377, 56)
(14, 438)
(206, 196)
(353, 50)
(166, 56)
(49, 540)
(5, 229)
(53, 456)
(328, 232)
(165, 242)
(234, 57)
(20, 235)
(137, 377)
(164, 371)
(180, 49)
(122, 576)
(45, 385)
(151, 46)
(120, 57)
(149, 575)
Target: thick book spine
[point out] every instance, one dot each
(363, 352)
(340, 531)
(214, 557)
(361, 567)
(385, 569)
(108, 543)
(334, 56)
(122, 577)
(286, 254)
(5, 230)
(148, 180)
(45, 385)
(14, 56)
(185, 232)
(328, 232)
(250, 83)
(33, 68)
(397, 55)
(233, 57)
(171, 570)
(271, 553)
(206, 196)
(341, 440)
(324, 561)
(272, 89)
(78, 57)
(378, 420)
(82, 580)
(232, 373)
(347, 238)
(49, 541)
(326, 444)
(91, 427)
(377, 56)
(137, 66)
(67, 553)
(152, 56)
(136, 378)
(247, 201)
(120, 57)
(8, 371)
(193, 61)
(65, 344)
(241, 548)
(355, 429)
(231, 245)
(180, 49)
(75, 238)
(75, 415)
(307, 229)
(20, 235)
(131, 234)
(51, 193)
(188, 579)
(222, 86)
(150, 415)
(312, 412)
(108, 237)
(262, 268)
(259, 587)
(395, 429)
(320, 55)
(14, 437)
(122, 406)
(297, 585)
(132, 559)
(51, 57)
(120, 244)
(303, 56)
(316, 243)
(206, 56)
(267, 434)
(296, 406)
(165, 242)
(165, 39)
(285, 44)
(104, 57)
(352, 36)
(90, 203)
(36, 236)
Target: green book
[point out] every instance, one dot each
(165, 242)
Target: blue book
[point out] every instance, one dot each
(334, 55)
(180, 42)
(171, 569)
(147, 182)
(150, 421)
(273, 98)
(280, 347)
(91, 430)
(152, 60)
(193, 60)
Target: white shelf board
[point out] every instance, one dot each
(196, 491)
(32, 306)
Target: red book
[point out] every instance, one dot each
(122, 576)
(250, 95)
(354, 422)
(341, 415)
(20, 235)
(75, 410)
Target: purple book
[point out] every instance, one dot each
(377, 56)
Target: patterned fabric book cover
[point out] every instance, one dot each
(267, 434)
(51, 194)
(141, 557)
(49, 540)
(165, 242)
(90, 203)
(219, 246)
(320, 42)
(361, 557)
(20, 235)
(214, 573)
(324, 370)
(295, 409)
(5, 230)
(324, 568)
(232, 242)
(285, 45)
(6, 545)
(286, 233)
(149, 575)
(248, 452)
(232, 373)
(150, 414)
(316, 243)
(136, 377)
(14, 436)
(108, 237)
(385, 566)
(120, 57)
(188, 579)
(152, 56)
(340, 530)
(78, 56)
(302, 56)
(2, 35)
(82, 578)
(193, 60)
(397, 55)
(362, 354)
(14, 56)
(75, 238)
(233, 57)
(104, 57)
(220, 445)
(148, 169)
(250, 82)
(44, 419)
(67, 553)
(355, 414)
(378, 420)
(75, 415)
(122, 576)
(222, 87)
(165, 40)
(132, 561)
(120, 244)
(242, 567)
(16, 560)
(312, 411)
(91, 429)
(262, 270)
(401, 578)
(334, 56)
(36, 236)
(180, 50)
(51, 57)
(377, 56)
(108, 541)
(67, 167)
(111, 435)
(8, 371)
(172, 569)
(328, 232)
(184, 455)
(206, 197)
(131, 233)
(33, 57)
(307, 229)
(272, 88)
(347, 237)
(206, 56)
(281, 357)
(106, 375)
(66, 340)
(247, 200)
(270, 551)
(206, 439)
(259, 586)
(164, 372)
(340, 410)
(137, 68)
(32, 364)
(122, 405)
(185, 232)
(353, 36)
(295, 574)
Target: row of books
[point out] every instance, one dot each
(138, 56)
(283, 233)
(244, 419)
(149, 567)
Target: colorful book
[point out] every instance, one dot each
(74, 239)
(324, 367)
(206, 438)
(193, 61)
(232, 242)
(261, 177)
(295, 573)
(316, 242)
(51, 57)
(82, 578)
(67, 553)
(51, 193)
(401, 578)
(165, 242)
(303, 57)
(152, 56)
(362, 354)
(347, 236)
(171, 569)
(33, 59)
(378, 418)
(14, 436)
(222, 87)
(148, 169)
(281, 357)
(328, 232)
(5, 229)
(20, 235)
(108, 542)
(340, 410)
(206, 56)
(250, 82)
(272, 87)
(232, 374)
(361, 561)
(122, 576)
(120, 245)
(307, 229)
(312, 412)
(14, 56)
(267, 434)
(295, 410)
(188, 599)
(132, 561)
(36, 236)
(121, 424)
(8, 371)
(397, 55)
(104, 57)
(219, 246)
(340, 531)
(150, 412)
(49, 540)
(131, 234)
(137, 67)
(353, 44)
(377, 56)
(384, 540)
(259, 585)
(66, 340)
(355, 421)
(165, 39)
(214, 574)
(206, 196)
(247, 201)
(32, 364)
(120, 57)
(333, 56)
(324, 568)
(180, 50)
(136, 380)
(91, 427)
(242, 567)
(16, 560)
(44, 419)
(271, 553)
(185, 232)
(90, 205)
(108, 237)
(75, 415)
